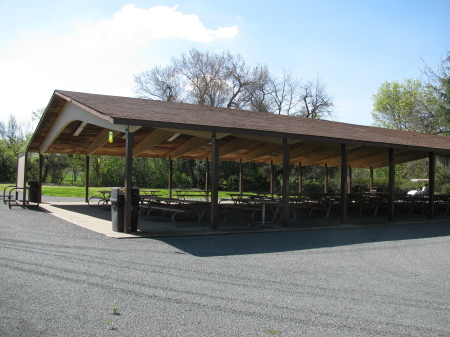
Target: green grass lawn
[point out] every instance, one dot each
(79, 192)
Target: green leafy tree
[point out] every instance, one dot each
(440, 82)
(13, 142)
(411, 106)
(421, 106)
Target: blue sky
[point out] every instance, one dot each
(97, 46)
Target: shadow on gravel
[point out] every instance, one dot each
(273, 242)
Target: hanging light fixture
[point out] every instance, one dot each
(111, 137)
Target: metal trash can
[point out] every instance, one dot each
(33, 192)
(134, 208)
(117, 200)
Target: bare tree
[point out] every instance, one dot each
(238, 78)
(225, 80)
(316, 103)
(162, 83)
(203, 72)
(285, 94)
(259, 91)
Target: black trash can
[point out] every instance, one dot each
(33, 192)
(134, 209)
(117, 200)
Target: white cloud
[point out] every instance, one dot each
(98, 57)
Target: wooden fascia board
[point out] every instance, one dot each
(153, 138)
(261, 151)
(188, 146)
(274, 136)
(267, 139)
(85, 107)
(201, 134)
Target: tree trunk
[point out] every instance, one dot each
(190, 164)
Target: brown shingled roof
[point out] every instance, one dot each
(158, 120)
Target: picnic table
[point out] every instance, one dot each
(255, 203)
(202, 194)
(103, 201)
(178, 210)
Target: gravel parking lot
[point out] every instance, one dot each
(57, 279)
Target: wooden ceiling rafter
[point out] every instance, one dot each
(99, 141)
(320, 157)
(354, 155)
(235, 145)
(261, 151)
(298, 153)
(188, 146)
(155, 137)
(399, 158)
(374, 159)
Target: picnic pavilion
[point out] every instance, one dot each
(80, 123)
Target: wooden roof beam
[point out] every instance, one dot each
(321, 156)
(188, 146)
(298, 153)
(355, 154)
(382, 157)
(99, 141)
(400, 158)
(154, 138)
(261, 151)
(235, 144)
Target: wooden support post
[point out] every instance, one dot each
(344, 185)
(206, 174)
(272, 178)
(300, 178)
(214, 182)
(325, 189)
(128, 179)
(241, 177)
(371, 179)
(391, 186)
(24, 194)
(285, 192)
(86, 180)
(349, 179)
(41, 169)
(170, 186)
(431, 184)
